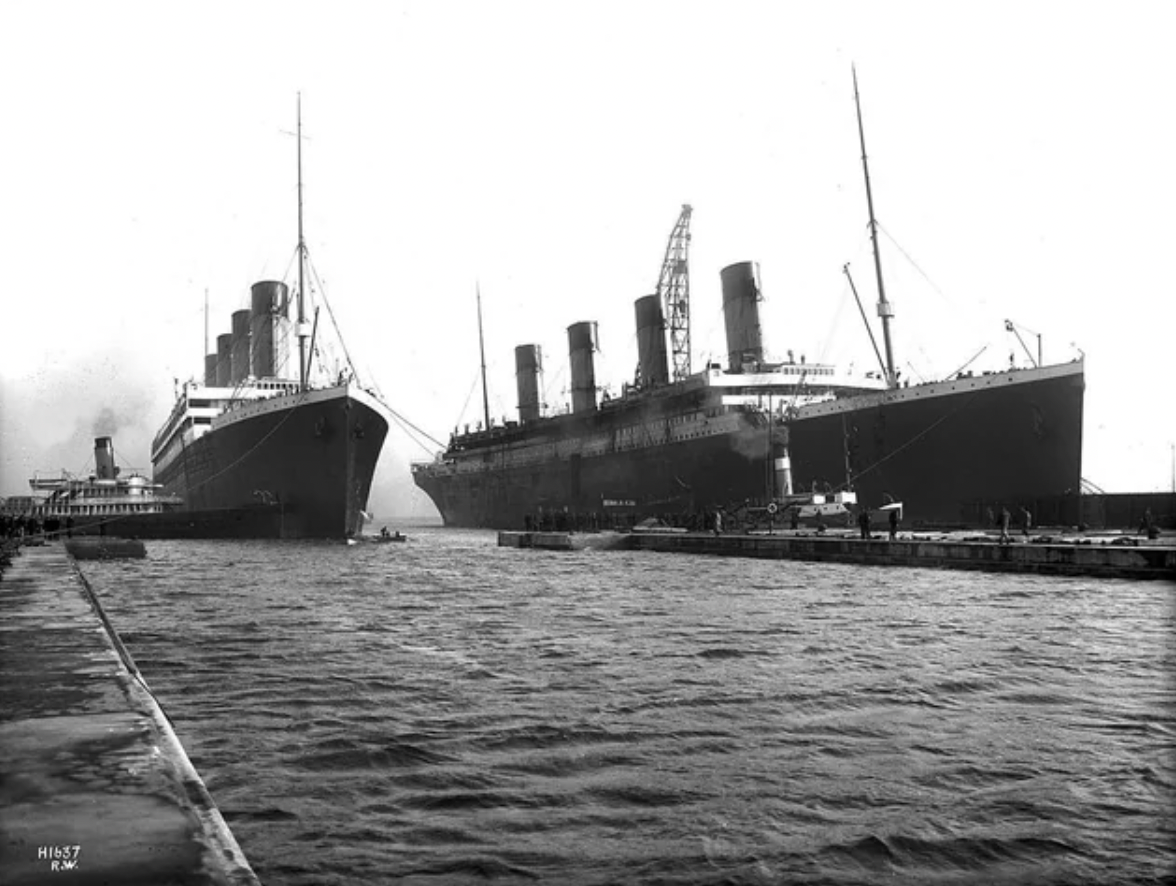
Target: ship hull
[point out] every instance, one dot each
(951, 454)
(298, 466)
(948, 452)
(254, 522)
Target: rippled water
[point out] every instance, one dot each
(445, 711)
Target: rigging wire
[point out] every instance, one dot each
(556, 379)
(977, 318)
(290, 263)
(969, 363)
(846, 289)
(408, 428)
(827, 343)
(400, 420)
(466, 404)
(915, 264)
(403, 422)
(330, 313)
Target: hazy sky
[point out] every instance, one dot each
(1022, 157)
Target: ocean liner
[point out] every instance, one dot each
(258, 450)
(760, 436)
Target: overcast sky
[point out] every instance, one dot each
(1022, 157)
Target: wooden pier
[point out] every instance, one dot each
(94, 785)
(1104, 557)
(564, 541)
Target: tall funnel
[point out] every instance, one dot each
(224, 359)
(210, 370)
(741, 296)
(239, 360)
(651, 341)
(528, 365)
(104, 468)
(269, 328)
(581, 346)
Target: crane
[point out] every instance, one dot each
(673, 289)
(1016, 329)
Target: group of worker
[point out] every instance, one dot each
(864, 521)
(22, 525)
(1005, 519)
(794, 521)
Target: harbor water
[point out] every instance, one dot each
(447, 711)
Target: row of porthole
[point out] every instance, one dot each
(623, 447)
(919, 395)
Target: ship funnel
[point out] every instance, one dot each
(582, 343)
(210, 370)
(741, 297)
(224, 359)
(269, 329)
(651, 341)
(104, 468)
(528, 366)
(239, 356)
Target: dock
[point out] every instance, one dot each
(1101, 557)
(564, 541)
(94, 784)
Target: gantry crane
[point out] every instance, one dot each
(673, 289)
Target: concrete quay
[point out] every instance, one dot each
(564, 541)
(94, 785)
(1085, 556)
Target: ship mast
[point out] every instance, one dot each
(206, 322)
(301, 266)
(885, 311)
(482, 349)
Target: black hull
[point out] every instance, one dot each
(299, 470)
(253, 522)
(947, 452)
(949, 458)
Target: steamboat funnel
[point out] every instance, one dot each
(528, 366)
(582, 343)
(651, 341)
(741, 297)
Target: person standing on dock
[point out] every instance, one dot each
(1148, 525)
(1026, 521)
(864, 522)
(718, 522)
(893, 523)
(1004, 525)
